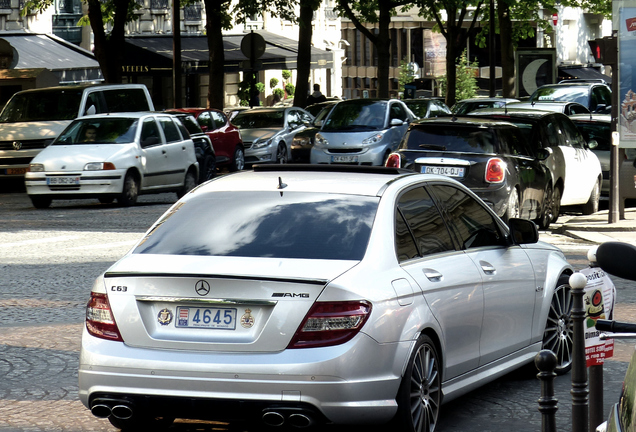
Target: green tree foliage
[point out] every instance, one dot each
(290, 89)
(286, 75)
(273, 82)
(466, 83)
(245, 88)
(406, 75)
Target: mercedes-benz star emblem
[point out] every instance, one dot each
(17, 145)
(202, 288)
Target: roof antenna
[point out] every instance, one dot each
(281, 185)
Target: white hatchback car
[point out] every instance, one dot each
(114, 157)
(304, 294)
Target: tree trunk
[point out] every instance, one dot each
(383, 45)
(213, 26)
(109, 49)
(507, 51)
(304, 53)
(453, 42)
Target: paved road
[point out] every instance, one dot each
(48, 261)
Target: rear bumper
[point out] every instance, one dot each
(337, 382)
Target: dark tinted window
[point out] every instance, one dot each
(259, 119)
(515, 142)
(473, 225)
(190, 123)
(42, 106)
(448, 137)
(599, 132)
(420, 229)
(169, 129)
(126, 100)
(150, 133)
(266, 224)
(205, 120)
(219, 119)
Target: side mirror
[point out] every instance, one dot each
(617, 259)
(523, 231)
(592, 144)
(396, 122)
(543, 154)
(319, 123)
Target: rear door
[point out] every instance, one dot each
(449, 280)
(155, 158)
(176, 150)
(505, 271)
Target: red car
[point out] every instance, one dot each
(225, 137)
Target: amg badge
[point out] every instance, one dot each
(291, 295)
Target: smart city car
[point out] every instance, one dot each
(299, 295)
(361, 132)
(114, 156)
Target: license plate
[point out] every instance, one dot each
(444, 170)
(62, 180)
(206, 317)
(16, 171)
(344, 159)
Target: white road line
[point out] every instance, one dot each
(105, 245)
(39, 241)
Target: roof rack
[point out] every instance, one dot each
(366, 169)
(579, 80)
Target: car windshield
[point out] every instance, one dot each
(462, 108)
(265, 224)
(322, 115)
(443, 137)
(599, 132)
(564, 94)
(48, 105)
(99, 131)
(360, 115)
(259, 120)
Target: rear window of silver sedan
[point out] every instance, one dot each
(265, 224)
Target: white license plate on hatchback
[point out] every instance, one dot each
(63, 180)
(344, 159)
(444, 170)
(206, 317)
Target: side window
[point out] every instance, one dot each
(150, 133)
(578, 109)
(170, 129)
(572, 135)
(126, 100)
(420, 229)
(553, 133)
(473, 225)
(184, 132)
(219, 119)
(293, 119)
(604, 95)
(205, 120)
(306, 118)
(94, 104)
(398, 112)
(516, 142)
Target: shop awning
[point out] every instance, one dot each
(70, 63)
(582, 72)
(153, 54)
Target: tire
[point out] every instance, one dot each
(558, 333)
(130, 193)
(189, 183)
(591, 206)
(41, 202)
(281, 154)
(556, 204)
(207, 170)
(142, 423)
(420, 393)
(543, 222)
(238, 161)
(513, 205)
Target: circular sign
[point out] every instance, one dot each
(253, 44)
(555, 18)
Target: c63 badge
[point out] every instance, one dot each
(165, 316)
(247, 320)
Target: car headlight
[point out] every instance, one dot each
(36, 167)
(320, 141)
(301, 141)
(99, 166)
(258, 143)
(373, 139)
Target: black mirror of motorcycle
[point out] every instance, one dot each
(618, 259)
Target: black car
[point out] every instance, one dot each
(490, 157)
(568, 151)
(595, 95)
(304, 140)
(202, 146)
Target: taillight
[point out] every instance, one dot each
(331, 323)
(393, 161)
(495, 171)
(99, 318)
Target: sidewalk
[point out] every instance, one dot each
(596, 228)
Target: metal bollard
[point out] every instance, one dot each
(546, 362)
(579, 390)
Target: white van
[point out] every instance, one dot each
(32, 119)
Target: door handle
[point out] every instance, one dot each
(487, 267)
(433, 275)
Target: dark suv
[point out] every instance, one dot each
(490, 157)
(595, 95)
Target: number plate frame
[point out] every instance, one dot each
(448, 171)
(186, 316)
(59, 181)
(344, 159)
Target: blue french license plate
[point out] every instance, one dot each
(206, 317)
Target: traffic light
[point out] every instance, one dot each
(604, 50)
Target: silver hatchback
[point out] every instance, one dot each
(303, 294)
(361, 132)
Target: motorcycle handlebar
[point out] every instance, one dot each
(615, 326)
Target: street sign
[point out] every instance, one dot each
(253, 45)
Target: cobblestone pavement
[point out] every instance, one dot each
(49, 259)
